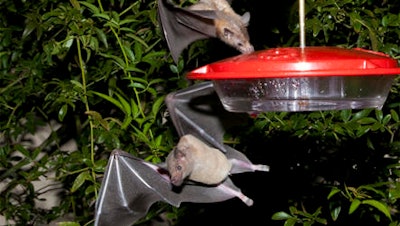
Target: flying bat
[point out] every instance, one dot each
(131, 185)
(205, 19)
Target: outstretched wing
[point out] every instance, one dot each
(130, 186)
(197, 110)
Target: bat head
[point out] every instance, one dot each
(232, 29)
(178, 166)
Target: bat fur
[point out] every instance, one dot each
(205, 19)
(194, 160)
(230, 27)
(198, 162)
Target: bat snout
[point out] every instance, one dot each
(246, 48)
(176, 181)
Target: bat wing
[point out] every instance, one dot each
(197, 110)
(181, 27)
(130, 186)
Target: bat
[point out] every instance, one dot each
(205, 19)
(131, 185)
(196, 161)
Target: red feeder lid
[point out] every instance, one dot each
(296, 61)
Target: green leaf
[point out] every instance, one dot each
(333, 192)
(110, 99)
(102, 36)
(362, 130)
(138, 40)
(390, 20)
(367, 120)
(281, 216)
(75, 4)
(104, 16)
(125, 104)
(293, 210)
(158, 140)
(386, 119)
(394, 115)
(138, 48)
(345, 115)
(127, 21)
(79, 180)
(62, 112)
(173, 68)
(135, 108)
(117, 60)
(134, 69)
(379, 115)
(138, 85)
(129, 52)
(361, 114)
(91, 7)
(290, 222)
(307, 223)
(141, 135)
(335, 213)
(126, 122)
(77, 84)
(379, 206)
(157, 105)
(354, 205)
(90, 189)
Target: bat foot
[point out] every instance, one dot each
(236, 192)
(247, 166)
(260, 167)
(248, 201)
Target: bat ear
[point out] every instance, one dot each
(178, 154)
(246, 18)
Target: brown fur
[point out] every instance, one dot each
(196, 161)
(231, 28)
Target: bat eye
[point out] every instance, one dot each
(178, 167)
(227, 32)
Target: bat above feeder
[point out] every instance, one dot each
(301, 78)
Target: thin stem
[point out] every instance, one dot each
(126, 63)
(83, 74)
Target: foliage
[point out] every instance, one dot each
(97, 72)
(299, 216)
(362, 24)
(102, 72)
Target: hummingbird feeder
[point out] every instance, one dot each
(302, 78)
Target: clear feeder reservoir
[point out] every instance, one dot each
(302, 79)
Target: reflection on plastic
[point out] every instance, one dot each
(303, 93)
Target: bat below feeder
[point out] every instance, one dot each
(194, 160)
(131, 186)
